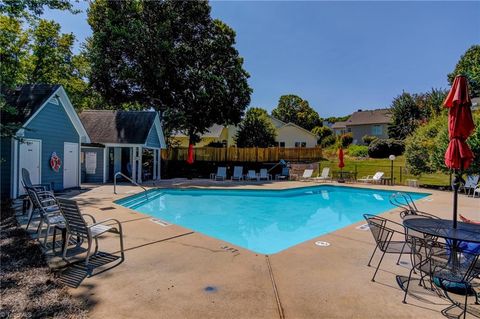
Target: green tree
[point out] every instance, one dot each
(469, 65)
(256, 129)
(431, 103)
(170, 55)
(292, 108)
(322, 132)
(33, 8)
(406, 116)
(13, 50)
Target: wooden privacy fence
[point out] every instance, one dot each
(248, 154)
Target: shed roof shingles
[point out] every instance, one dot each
(125, 127)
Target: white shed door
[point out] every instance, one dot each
(70, 165)
(29, 158)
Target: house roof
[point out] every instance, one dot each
(279, 124)
(26, 99)
(339, 125)
(127, 127)
(379, 116)
(213, 131)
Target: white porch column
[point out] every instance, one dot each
(133, 162)
(159, 160)
(154, 164)
(140, 165)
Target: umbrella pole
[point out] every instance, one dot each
(456, 186)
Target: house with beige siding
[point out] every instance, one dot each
(291, 135)
(368, 122)
(215, 134)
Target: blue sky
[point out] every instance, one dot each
(340, 56)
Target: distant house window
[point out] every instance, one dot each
(281, 144)
(349, 130)
(376, 130)
(300, 144)
(304, 144)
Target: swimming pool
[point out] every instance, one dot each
(264, 221)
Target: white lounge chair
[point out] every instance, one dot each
(237, 173)
(252, 175)
(221, 174)
(264, 175)
(325, 175)
(470, 183)
(372, 179)
(476, 191)
(307, 174)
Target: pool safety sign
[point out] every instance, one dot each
(90, 162)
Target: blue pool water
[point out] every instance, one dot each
(264, 221)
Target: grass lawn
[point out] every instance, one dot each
(369, 166)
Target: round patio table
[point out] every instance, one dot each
(443, 228)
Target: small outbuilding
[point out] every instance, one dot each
(127, 142)
(46, 142)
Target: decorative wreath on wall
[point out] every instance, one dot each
(55, 162)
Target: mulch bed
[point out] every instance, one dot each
(28, 287)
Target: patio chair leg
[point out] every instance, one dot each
(65, 246)
(401, 252)
(466, 300)
(88, 251)
(374, 251)
(378, 266)
(408, 284)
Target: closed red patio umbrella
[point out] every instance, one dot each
(341, 164)
(458, 156)
(190, 156)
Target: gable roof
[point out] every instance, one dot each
(27, 100)
(280, 124)
(127, 127)
(339, 125)
(213, 131)
(380, 116)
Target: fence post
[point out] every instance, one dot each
(355, 171)
(401, 169)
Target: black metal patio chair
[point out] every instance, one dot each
(383, 232)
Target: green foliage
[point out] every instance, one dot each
(335, 119)
(367, 139)
(358, 150)
(170, 55)
(322, 132)
(383, 148)
(346, 139)
(431, 103)
(420, 146)
(256, 129)
(469, 65)
(33, 8)
(292, 108)
(328, 141)
(14, 43)
(406, 116)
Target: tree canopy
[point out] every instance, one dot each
(256, 129)
(406, 116)
(169, 55)
(292, 108)
(469, 65)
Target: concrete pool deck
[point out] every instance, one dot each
(174, 272)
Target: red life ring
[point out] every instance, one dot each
(55, 162)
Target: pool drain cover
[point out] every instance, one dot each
(322, 243)
(363, 227)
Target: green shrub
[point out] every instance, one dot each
(328, 141)
(346, 139)
(322, 132)
(367, 139)
(358, 150)
(382, 148)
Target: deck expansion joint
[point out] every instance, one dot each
(281, 314)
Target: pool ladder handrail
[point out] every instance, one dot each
(145, 192)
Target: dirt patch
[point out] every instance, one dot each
(28, 287)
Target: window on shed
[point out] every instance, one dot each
(376, 130)
(281, 144)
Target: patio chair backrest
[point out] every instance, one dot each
(472, 181)
(325, 172)
(252, 173)
(74, 221)
(307, 173)
(285, 171)
(237, 171)
(27, 182)
(222, 171)
(378, 176)
(380, 232)
(32, 194)
(263, 173)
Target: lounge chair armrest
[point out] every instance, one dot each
(91, 217)
(109, 220)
